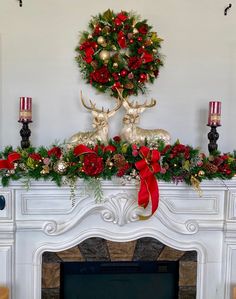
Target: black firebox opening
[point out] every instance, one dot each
(119, 280)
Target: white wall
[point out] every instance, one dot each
(37, 60)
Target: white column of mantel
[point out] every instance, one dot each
(7, 244)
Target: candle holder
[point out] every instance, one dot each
(213, 136)
(25, 133)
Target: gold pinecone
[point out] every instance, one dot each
(119, 160)
(129, 85)
(211, 168)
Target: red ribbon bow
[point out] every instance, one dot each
(82, 149)
(9, 162)
(147, 167)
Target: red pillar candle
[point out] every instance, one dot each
(25, 109)
(214, 113)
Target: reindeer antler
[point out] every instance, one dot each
(136, 105)
(117, 107)
(93, 106)
(144, 105)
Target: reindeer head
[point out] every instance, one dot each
(100, 116)
(133, 110)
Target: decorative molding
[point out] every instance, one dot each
(121, 208)
(177, 205)
(231, 211)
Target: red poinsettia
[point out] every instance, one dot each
(143, 29)
(134, 63)
(101, 75)
(87, 44)
(120, 18)
(55, 151)
(93, 164)
(110, 148)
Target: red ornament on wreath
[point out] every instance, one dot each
(132, 48)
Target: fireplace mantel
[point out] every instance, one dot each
(43, 219)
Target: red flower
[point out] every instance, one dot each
(117, 139)
(97, 30)
(85, 45)
(134, 63)
(101, 75)
(115, 76)
(35, 156)
(93, 164)
(122, 171)
(55, 151)
(166, 148)
(110, 148)
(121, 17)
(143, 29)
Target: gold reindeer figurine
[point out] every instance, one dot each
(134, 134)
(100, 124)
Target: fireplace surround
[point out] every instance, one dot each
(43, 219)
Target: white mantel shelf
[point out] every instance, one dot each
(43, 219)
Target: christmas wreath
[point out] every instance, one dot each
(119, 52)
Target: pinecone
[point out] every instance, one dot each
(211, 168)
(119, 160)
(129, 85)
(94, 64)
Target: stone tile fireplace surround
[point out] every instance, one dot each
(42, 220)
(98, 249)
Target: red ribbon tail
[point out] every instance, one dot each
(148, 191)
(154, 192)
(143, 194)
(4, 164)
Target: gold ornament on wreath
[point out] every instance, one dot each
(119, 51)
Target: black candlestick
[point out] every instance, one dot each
(25, 134)
(213, 136)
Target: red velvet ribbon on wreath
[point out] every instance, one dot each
(148, 166)
(9, 162)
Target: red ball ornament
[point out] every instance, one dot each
(118, 22)
(140, 39)
(142, 77)
(131, 41)
(123, 73)
(116, 85)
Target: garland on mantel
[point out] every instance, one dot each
(171, 163)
